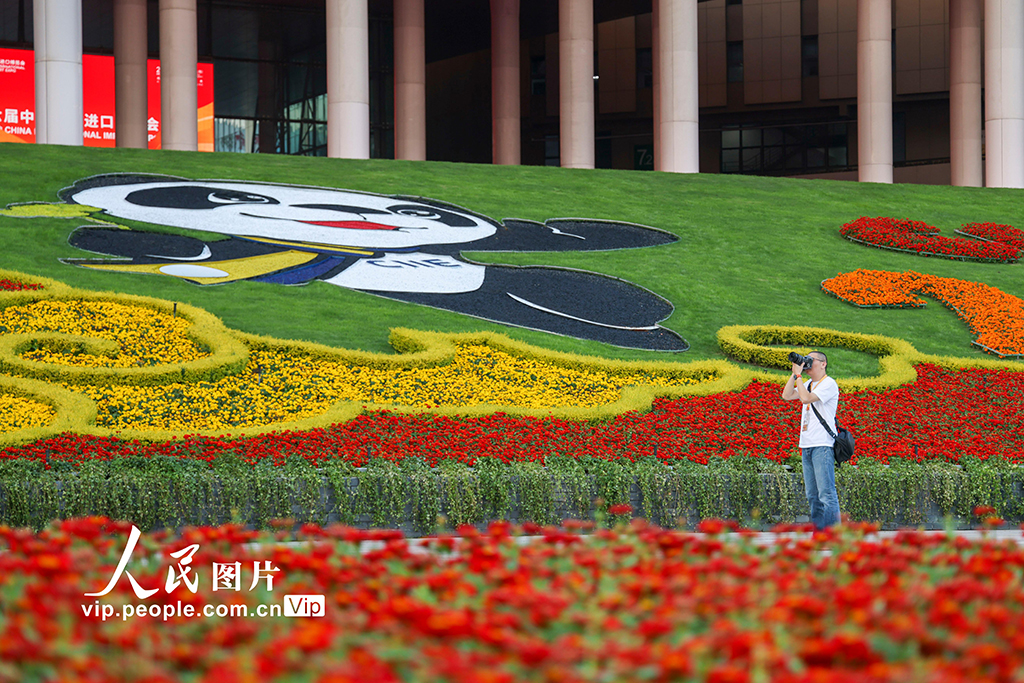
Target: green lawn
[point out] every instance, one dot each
(751, 250)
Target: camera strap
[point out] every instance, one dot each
(823, 423)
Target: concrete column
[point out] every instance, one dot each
(1004, 93)
(874, 90)
(410, 81)
(505, 126)
(348, 79)
(676, 75)
(130, 52)
(179, 126)
(655, 75)
(57, 28)
(576, 82)
(965, 92)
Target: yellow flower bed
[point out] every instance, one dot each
(278, 387)
(145, 337)
(17, 412)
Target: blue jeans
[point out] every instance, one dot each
(820, 485)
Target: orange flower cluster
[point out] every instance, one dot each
(997, 318)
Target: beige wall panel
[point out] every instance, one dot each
(828, 87)
(908, 81)
(846, 15)
(752, 21)
(790, 56)
(828, 11)
(908, 48)
(716, 18)
(934, 11)
(847, 49)
(847, 86)
(789, 13)
(792, 90)
(643, 31)
(753, 93)
(753, 60)
(908, 13)
(934, 80)
(771, 20)
(828, 54)
(934, 45)
(770, 59)
(771, 91)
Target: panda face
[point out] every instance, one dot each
(288, 213)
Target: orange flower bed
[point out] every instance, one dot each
(997, 318)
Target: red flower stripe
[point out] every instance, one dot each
(944, 414)
(15, 286)
(923, 239)
(995, 317)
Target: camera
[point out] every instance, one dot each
(805, 361)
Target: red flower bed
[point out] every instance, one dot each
(15, 286)
(994, 232)
(636, 603)
(923, 239)
(945, 414)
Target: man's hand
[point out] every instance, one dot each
(798, 369)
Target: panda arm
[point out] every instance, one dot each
(569, 234)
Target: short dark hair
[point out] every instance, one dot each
(822, 354)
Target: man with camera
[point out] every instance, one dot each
(820, 400)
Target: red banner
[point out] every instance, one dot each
(17, 96)
(18, 106)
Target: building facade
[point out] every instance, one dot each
(876, 90)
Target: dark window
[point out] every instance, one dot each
(734, 61)
(899, 137)
(809, 52)
(784, 149)
(538, 75)
(733, 2)
(644, 68)
(552, 151)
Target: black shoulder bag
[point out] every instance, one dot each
(843, 448)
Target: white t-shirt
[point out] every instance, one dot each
(811, 432)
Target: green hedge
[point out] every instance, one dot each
(172, 492)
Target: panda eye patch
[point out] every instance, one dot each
(194, 197)
(431, 213)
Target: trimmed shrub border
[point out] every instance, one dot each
(173, 493)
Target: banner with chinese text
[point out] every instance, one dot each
(18, 106)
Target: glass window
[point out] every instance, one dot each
(734, 61)
(644, 68)
(730, 160)
(810, 56)
(538, 75)
(730, 139)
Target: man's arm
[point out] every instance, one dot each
(795, 388)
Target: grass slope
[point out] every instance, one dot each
(751, 250)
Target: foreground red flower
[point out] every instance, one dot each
(674, 605)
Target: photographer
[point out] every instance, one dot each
(815, 442)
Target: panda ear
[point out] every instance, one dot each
(109, 179)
